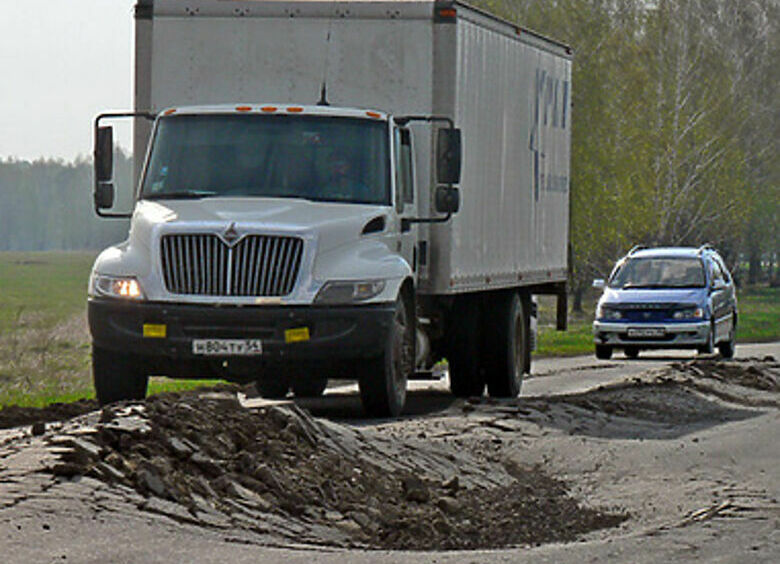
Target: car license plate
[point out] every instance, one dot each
(227, 347)
(646, 332)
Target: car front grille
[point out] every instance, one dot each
(203, 264)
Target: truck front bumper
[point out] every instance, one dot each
(655, 335)
(331, 333)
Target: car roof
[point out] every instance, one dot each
(668, 252)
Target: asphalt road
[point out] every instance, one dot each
(706, 493)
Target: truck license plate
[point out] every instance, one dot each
(227, 347)
(647, 332)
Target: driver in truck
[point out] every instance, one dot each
(343, 180)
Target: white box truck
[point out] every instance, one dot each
(296, 216)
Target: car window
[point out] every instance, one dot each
(659, 272)
(717, 273)
(724, 270)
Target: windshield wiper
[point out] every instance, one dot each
(631, 286)
(183, 195)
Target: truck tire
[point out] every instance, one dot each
(274, 385)
(117, 376)
(312, 387)
(603, 352)
(507, 341)
(382, 380)
(631, 352)
(463, 350)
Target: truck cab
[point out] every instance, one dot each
(268, 242)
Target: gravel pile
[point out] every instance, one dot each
(204, 459)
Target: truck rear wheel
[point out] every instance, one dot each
(463, 350)
(507, 340)
(382, 380)
(117, 376)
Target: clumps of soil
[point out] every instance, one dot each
(15, 416)
(276, 469)
(757, 374)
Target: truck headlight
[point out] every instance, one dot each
(347, 292)
(124, 287)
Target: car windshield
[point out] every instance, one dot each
(333, 159)
(659, 273)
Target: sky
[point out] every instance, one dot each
(62, 62)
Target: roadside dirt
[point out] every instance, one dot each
(14, 416)
(220, 461)
(643, 455)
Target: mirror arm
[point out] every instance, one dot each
(406, 222)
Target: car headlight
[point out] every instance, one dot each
(604, 312)
(347, 292)
(122, 287)
(689, 313)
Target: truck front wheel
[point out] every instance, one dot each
(117, 376)
(508, 342)
(382, 380)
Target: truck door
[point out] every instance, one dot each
(405, 195)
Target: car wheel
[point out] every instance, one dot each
(631, 352)
(382, 380)
(709, 348)
(117, 376)
(603, 352)
(727, 348)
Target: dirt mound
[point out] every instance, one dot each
(14, 416)
(753, 373)
(276, 469)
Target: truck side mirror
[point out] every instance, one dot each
(104, 195)
(104, 154)
(599, 283)
(447, 199)
(104, 167)
(448, 156)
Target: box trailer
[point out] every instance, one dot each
(247, 260)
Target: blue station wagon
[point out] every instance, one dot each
(667, 298)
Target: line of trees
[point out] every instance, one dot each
(675, 137)
(675, 125)
(47, 205)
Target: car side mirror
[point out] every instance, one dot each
(718, 285)
(447, 199)
(599, 283)
(448, 156)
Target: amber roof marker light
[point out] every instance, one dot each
(445, 15)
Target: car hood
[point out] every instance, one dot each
(656, 295)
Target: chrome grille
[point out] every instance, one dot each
(258, 265)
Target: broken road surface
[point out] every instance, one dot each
(666, 460)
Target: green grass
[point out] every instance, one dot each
(759, 321)
(44, 341)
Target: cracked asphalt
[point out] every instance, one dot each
(681, 452)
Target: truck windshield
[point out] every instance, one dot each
(659, 273)
(334, 159)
